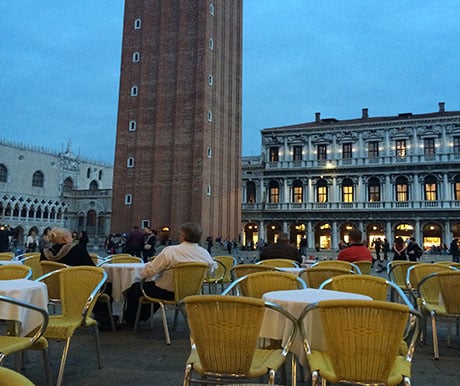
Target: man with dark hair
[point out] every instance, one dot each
(188, 251)
(356, 250)
(281, 250)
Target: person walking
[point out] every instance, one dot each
(454, 251)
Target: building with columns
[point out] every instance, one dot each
(387, 176)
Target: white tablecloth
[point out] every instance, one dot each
(27, 291)
(6, 262)
(294, 301)
(122, 276)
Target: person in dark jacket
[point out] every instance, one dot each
(281, 250)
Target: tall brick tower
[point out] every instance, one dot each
(178, 146)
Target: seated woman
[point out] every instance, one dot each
(64, 250)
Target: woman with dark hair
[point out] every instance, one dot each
(83, 239)
(44, 241)
(399, 249)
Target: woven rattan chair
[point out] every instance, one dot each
(12, 378)
(256, 284)
(338, 264)
(363, 340)
(397, 272)
(210, 281)
(314, 276)
(224, 332)
(364, 266)
(241, 270)
(449, 263)
(279, 263)
(376, 287)
(188, 280)
(6, 256)
(80, 287)
(11, 344)
(15, 271)
(52, 282)
(32, 260)
(439, 293)
(121, 258)
(229, 262)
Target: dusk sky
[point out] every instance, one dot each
(60, 64)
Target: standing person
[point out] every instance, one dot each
(386, 249)
(135, 242)
(83, 239)
(31, 241)
(399, 249)
(414, 251)
(209, 243)
(378, 248)
(356, 250)
(4, 239)
(454, 250)
(149, 244)
(282, 249)
(188, 251)
(44, 241)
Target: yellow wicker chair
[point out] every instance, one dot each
(256, 284)
(80, 287)
(449, 263)
(32, 260)
(121, 258)
(314, 276)
(439, 293)
(241, 270)
(363, 340)
(279, 263)
(397, 272)
(52, 282)
(15, 271)
(376, 287)
(338, 264)
(10, 344)
(364, 266)
(210, 281)
(224, 332)
(188, 280)
(6, 256)
(229, 262)
(12, 378)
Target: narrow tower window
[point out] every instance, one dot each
(130, 162)
(136, 57)
(134, 91)
(128, 199)
(209, 152)
(137, 24)
(210, 79)
(211, 44)
(211, 9)
(209, 116)
(208, 190)
(132, 126)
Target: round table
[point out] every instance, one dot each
(122, 276)
(27, 291)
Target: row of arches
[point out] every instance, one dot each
(32, 211)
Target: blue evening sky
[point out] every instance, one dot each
(60, 62)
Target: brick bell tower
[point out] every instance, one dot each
(178, 144)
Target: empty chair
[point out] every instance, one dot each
(241, 270)
(417, 272)
(121, 258)
(363, 342)
(279, 263)
(15, 271)
(449, 263)
(32, 260)
(9, 377)
(338, 264)
(52, 282)
(397, 272)
(364, 266)
(224, 332)
(229, 262)
(211, 280)
(259, 283)
(314, 276)
(6, 255)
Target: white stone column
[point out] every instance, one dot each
(334, 236)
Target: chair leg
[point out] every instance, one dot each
(435, 335)
(165, 323)
(98, 346)
(293, 370)
(271, 377)
(314, 378)
(187, 375)
(63, 360)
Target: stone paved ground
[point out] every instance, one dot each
(145, 359)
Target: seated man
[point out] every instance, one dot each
(281, 250)
(188, 251)
(356, 250)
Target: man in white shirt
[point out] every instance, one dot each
(188, 251)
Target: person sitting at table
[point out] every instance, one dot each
(356, 250)
(280, 250)
(188, 251)
(64, 250)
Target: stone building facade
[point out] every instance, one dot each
(387, 176)
(41, 188)
(178, 144)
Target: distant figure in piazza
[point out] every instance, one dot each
(282, 249)
(356, 250)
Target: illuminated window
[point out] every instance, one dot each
(457, 187)
(402, 189)
(347, 190)
(274, 157)
(321, 191)
(274, 192)
(297, 192)
(374, 190)
(401, 149)
(430, 187)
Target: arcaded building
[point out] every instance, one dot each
(178, 145)
(387, 176)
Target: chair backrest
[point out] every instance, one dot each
(96, 258)
(417, 272)
(364, 266)
(279, 263)
(363, 338)
(188, 279)
(241, 270)
(314, 276)
(15, 271)
(6, 255)
(442, 286)
(449, 263)
(338, 264)
(225, 331)
(52, 282)
(373, 286)
(79, 289)
(218, 275)
(9, 377)
(122, 258)
(397, 271)
(32, 260)
(258, 283)
(229, 262)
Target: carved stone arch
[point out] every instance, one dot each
(346, 137)
(400, 133)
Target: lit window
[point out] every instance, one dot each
(274, 155)
(130, 162)
(430, 186)
(374, 190)
(132, 125)
(401, 149)
(128, 199)
(137, 24)
(402, 189)
(457, 188)
(347, 190)
(136, 57)
(38, 179)
(274, 192)
(134, 91)
(297, 192)
(321, 191)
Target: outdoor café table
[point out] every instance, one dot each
(28, 291)
(294, 301)
(122, 276)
